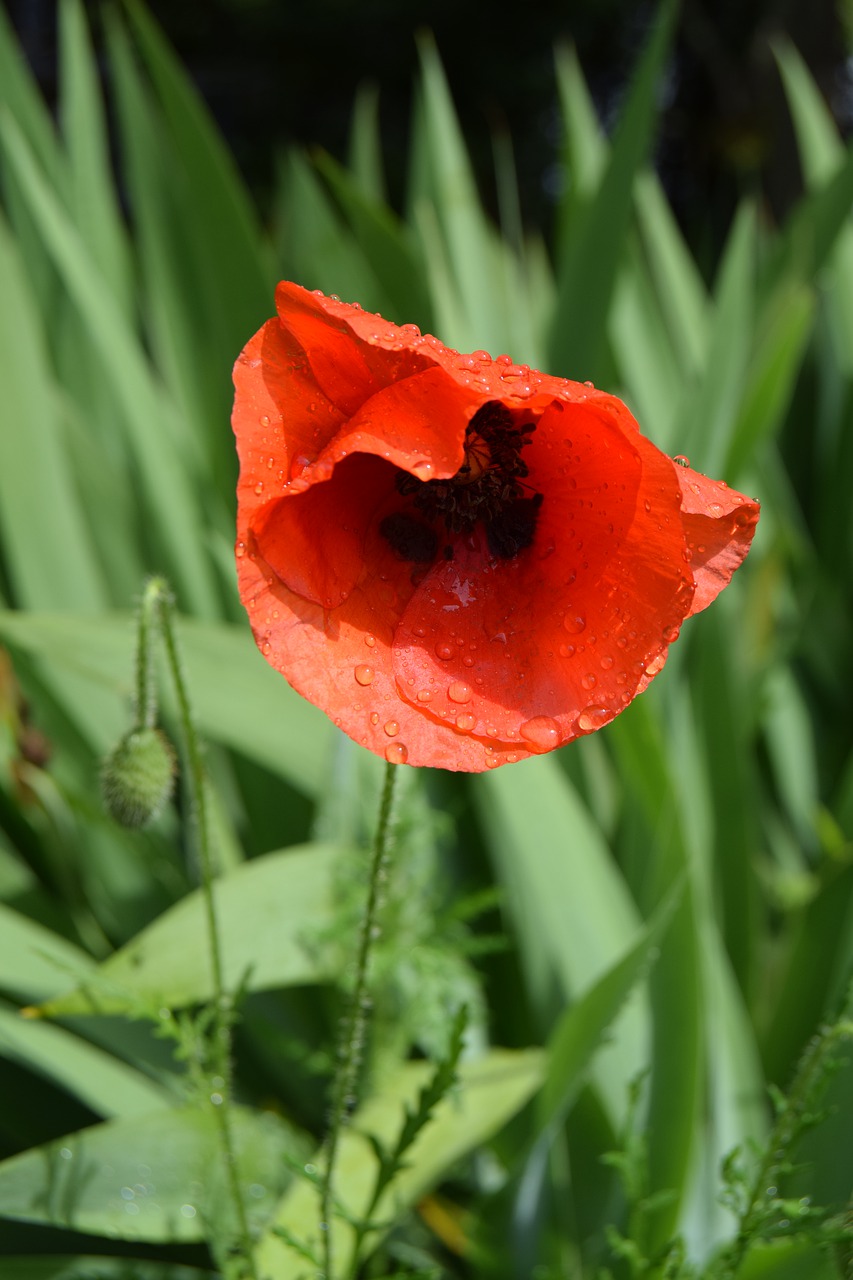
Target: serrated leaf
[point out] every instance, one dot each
(491, 1090)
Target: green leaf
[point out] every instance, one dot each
(155, 1178)
(491, 1090)
(36, 963)
(569, 905)
(580, 1030)
(709, 417)
(270, 912)
(102, 1082)
(215, 202)
(51, 560)
(587, 274)
(89, 1267)
(173, 507)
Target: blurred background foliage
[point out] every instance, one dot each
(648, 928)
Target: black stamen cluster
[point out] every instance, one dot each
(495, 496)
(460, 502)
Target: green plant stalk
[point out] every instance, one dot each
(223, 1005)
(145, 703)
(355, 1024)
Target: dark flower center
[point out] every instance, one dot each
(488, 487)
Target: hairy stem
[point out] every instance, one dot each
(355, 1023)
(221, 1068)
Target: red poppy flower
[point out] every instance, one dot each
(460, 560)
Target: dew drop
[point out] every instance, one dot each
(681, 461)
(567, 650)
(374, 717)
(396, 753)
(606, 662)
(574, 623)
(424, 695)
(370, 640)
(259, 487)
(364, 674)
(541, 732)
(240, 550)
(444, 650)
(299, 464)
(670, 634)
(465, 721)
(592, 718)
(392, 728)
(589, 681)
(460, 692)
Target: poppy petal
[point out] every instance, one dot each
(719, 525)
(520, 601)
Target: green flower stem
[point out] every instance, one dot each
(145, 702)
(221, 1073)
(355, 1024)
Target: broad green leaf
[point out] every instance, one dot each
(821, 153)
(92, 193)
(50, 560)
(271, 912)
(365, 145)
(570, 908)
(385, 244)
(104, 1083)
(216, 205)
(780, 345)
(587, 274)
(707, 421)
(466, 235)
(36, 963)
(174, 511)
(315, 247)
(253, 710)
(90, 1267)
(680, 288)
(580, 1030)
(158, 1177)
(490, 1091)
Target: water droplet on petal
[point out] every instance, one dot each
(396, 753)
(370, 640)
(465, 721)
(589, 681)
(574, 623)
(444, 650)
(240, 550)
(392, 728)
(424, 695)
(364, 674)
(592, 718)
(681, 461)
(259, 487)
(460, 692)
(541, 732)
(606, 662)
(374, 717)
(298, 465)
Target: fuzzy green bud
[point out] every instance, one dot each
(137, 777)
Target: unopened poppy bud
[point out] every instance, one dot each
(137, 777)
